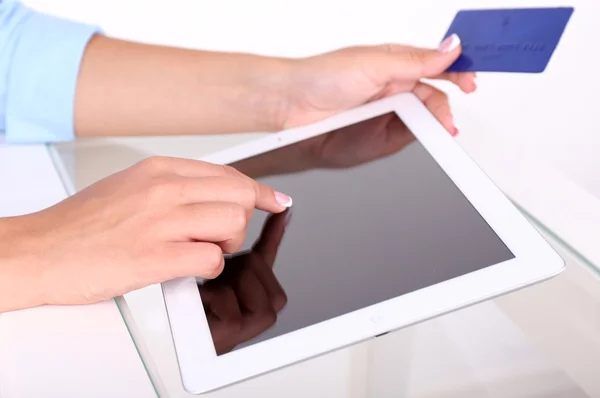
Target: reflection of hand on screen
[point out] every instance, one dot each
(343, 148)
(245, 299)
(360, 143)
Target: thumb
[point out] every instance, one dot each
(413, 63)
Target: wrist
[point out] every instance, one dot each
(266, 90)
(18, 274)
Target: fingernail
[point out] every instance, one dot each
(456, 131)
(283, 199)
(475, 82)
(449, 44)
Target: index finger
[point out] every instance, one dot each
(266, 198)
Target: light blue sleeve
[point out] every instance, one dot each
(40, 56)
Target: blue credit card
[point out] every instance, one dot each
(509, 40)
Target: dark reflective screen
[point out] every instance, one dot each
(374, 217)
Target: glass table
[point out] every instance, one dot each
(543, 341)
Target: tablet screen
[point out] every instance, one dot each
(374, 217)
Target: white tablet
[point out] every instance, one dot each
(392, 224)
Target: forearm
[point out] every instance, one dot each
(137, 89)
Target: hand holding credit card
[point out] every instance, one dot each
(508, 40)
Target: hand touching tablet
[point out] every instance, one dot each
(161, 219)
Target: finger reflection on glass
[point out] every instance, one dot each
(245, 299)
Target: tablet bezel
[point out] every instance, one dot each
(203, 371)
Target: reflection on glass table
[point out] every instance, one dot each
(542, 341)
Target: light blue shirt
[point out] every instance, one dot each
(40, 56)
